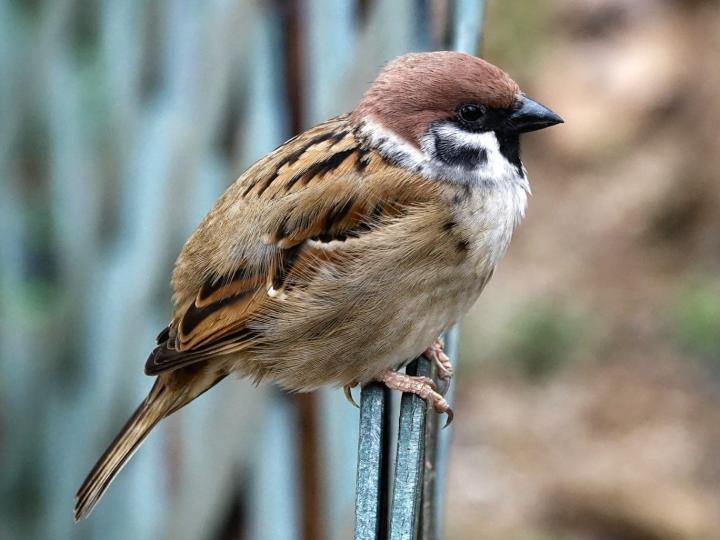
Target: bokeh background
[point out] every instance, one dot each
(588, 395)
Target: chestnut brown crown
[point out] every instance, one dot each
(417, 89)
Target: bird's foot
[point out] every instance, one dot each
(423, 387)
(436, 354)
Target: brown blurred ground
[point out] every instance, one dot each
(590, 366)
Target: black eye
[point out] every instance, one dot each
(471, 112)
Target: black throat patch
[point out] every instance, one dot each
(510, 148)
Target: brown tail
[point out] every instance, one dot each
(158, 404)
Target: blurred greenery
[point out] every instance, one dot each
(600, 418)
(696, 319)
(542, 338)
(519, 31)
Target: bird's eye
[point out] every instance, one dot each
(471, 112)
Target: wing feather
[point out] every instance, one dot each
(285, 220)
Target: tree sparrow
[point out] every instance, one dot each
(350, 248)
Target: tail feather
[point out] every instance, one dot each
(154, 408)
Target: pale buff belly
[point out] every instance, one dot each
(383, 312)
(392, 319)
(487, 223)
(435, 312)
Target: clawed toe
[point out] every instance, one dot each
(347, 389)
(421, 380)
(436, 354)
(439, 405)
(423, 387)
(445, 369)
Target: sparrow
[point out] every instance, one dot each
(349, 249)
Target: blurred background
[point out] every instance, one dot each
(588, 395)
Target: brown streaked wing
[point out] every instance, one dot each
(325, 187)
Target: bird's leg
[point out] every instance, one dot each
(423, 387)
(436, 354)
(348, 393)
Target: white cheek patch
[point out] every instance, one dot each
(489, 166)
(501, 186)
(486, 139)
(454, 141)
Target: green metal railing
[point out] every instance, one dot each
(409, 507)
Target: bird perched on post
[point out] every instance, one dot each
(350, 248)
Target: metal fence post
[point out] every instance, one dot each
(409, 460)
(373, 471)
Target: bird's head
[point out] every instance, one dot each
(458, 111)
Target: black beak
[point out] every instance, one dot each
(529, 115)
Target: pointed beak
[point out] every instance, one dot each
(529, 115)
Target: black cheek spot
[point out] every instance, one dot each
(468, 157)
(449, 225)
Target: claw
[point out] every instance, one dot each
(450, 416)
(347, 389)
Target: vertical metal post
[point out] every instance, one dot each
(373, 471)
(408, 482)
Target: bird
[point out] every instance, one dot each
(349, 249)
